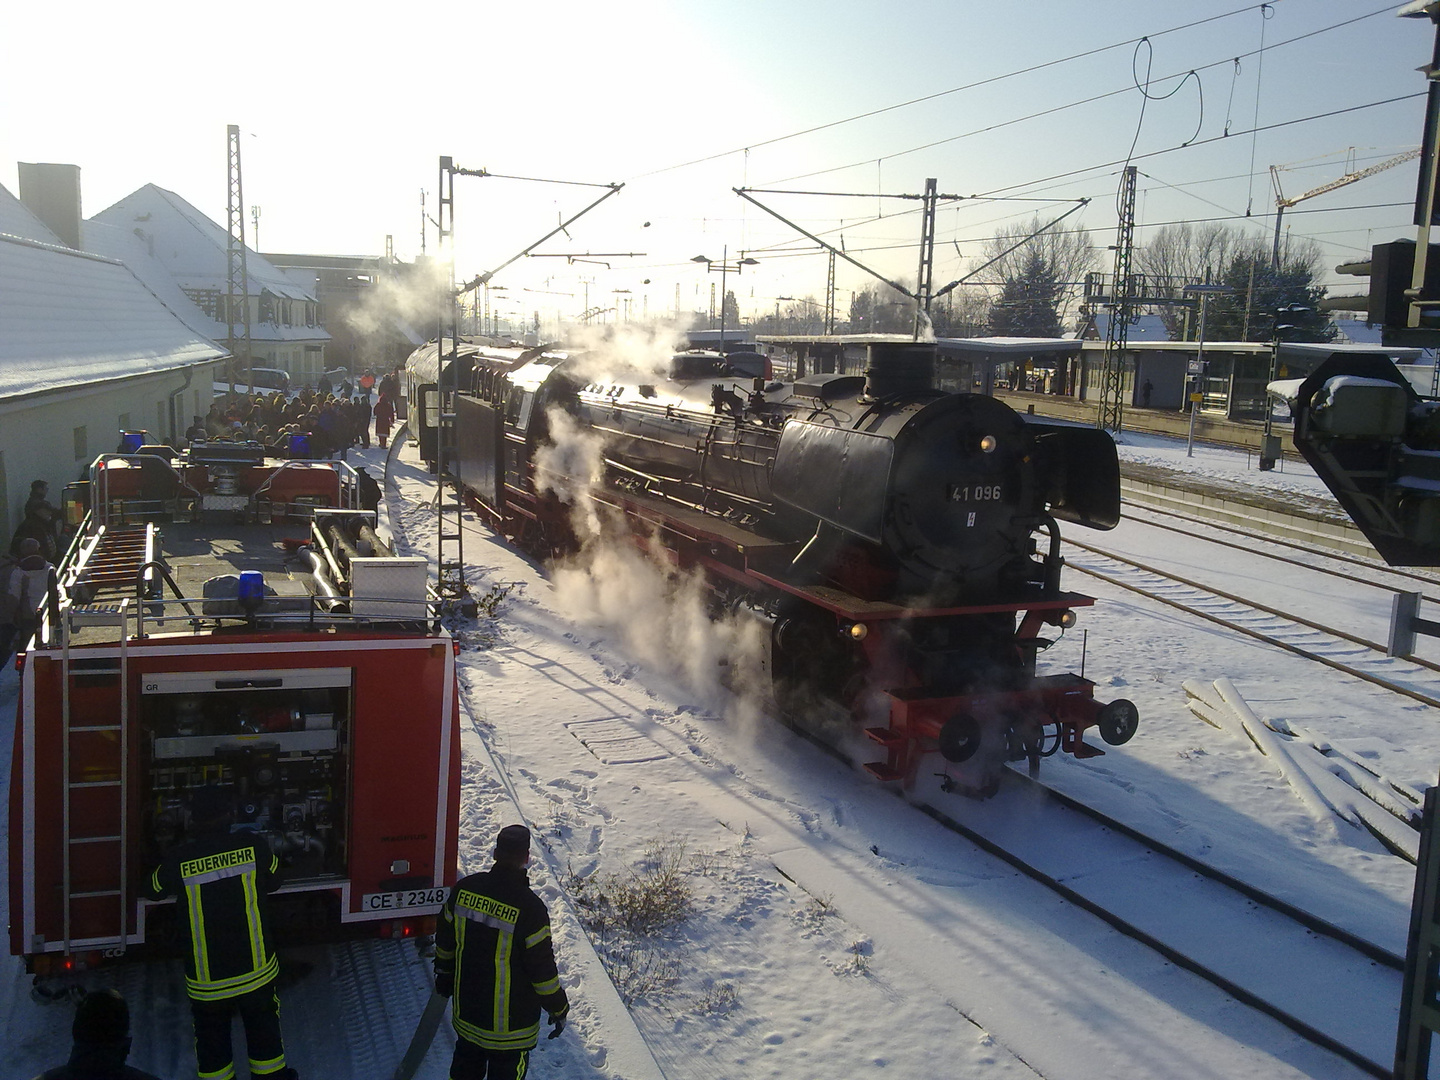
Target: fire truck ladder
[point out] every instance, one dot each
(95, 762)
(110, 563)
(95, 736)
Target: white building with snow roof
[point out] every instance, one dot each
(178, 251)
(86, 351)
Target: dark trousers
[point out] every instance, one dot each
(260, 1013)
(472, 1062)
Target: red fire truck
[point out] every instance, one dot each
(226, 618)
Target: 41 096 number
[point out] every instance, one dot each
(963, 493)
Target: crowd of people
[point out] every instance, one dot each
(331, 422)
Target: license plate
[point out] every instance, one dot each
(404, 900)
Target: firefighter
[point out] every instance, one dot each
(222, 880)
(493, 954)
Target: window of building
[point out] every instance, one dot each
(82, 444)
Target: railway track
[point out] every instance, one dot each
(1280, 636)
(1370, 566)
(1283, 961)
(1291, 965)
(1271, 957)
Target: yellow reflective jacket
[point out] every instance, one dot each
(221, 882)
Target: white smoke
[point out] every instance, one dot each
(925, 331)
(412, 295)
(630, 585)
(637, 351)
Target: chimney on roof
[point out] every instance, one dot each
(52, 193)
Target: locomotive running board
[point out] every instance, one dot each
(852, 607)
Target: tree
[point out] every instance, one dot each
(964, 312)
(1186, 254)
(731, 315)
(1060, 256)
(1258, 291)
(1028, 305)
(881, 310)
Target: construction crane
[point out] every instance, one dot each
(1282, 204)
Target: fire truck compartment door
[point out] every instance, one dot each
(210, 682)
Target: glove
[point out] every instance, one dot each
(445, 983)
(557, 1025)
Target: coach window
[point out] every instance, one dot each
(526, 401)
(512, 407)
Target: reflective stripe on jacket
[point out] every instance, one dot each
(494, 939)
(221, 883)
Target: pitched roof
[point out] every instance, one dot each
(1142, 328)
(17, 220)
(69, 318)
(172, 246)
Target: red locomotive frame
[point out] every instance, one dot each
(324, 704)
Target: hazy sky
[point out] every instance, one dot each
(345, 111)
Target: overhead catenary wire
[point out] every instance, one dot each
(1205, 142)
(945, 93)
(1086, 101)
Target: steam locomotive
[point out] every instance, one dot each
(884, 532)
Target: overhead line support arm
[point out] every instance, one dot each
(961, 281)
(483, 279)
(744, 194)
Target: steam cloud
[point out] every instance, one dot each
(411, 298)
(630, 585)
(639, 351)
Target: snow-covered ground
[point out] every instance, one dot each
(833, 930)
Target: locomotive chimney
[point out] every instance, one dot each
(899, 367)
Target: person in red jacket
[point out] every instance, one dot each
(222, 879)
(494, 957)
(384, 417)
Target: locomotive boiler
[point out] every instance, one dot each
(900, 544)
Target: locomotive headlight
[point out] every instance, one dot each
(988, 444)
(1066, 620)
(858, 631)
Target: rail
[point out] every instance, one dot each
(1269, 639)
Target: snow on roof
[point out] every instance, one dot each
(1009, 344)
(1142, 327)
(17, 220)
(1358, 331)
(143, 248)
(124, 246)
(69, 318)
(190, 245)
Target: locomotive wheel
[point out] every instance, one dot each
(959, 738)
(1118, 721)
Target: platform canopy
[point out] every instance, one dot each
(1011, 346)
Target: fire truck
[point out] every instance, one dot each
(229, 619)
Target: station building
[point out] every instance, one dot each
(87, 350)
(173, 247)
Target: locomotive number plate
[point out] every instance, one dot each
(403, 900)
(973, 493)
